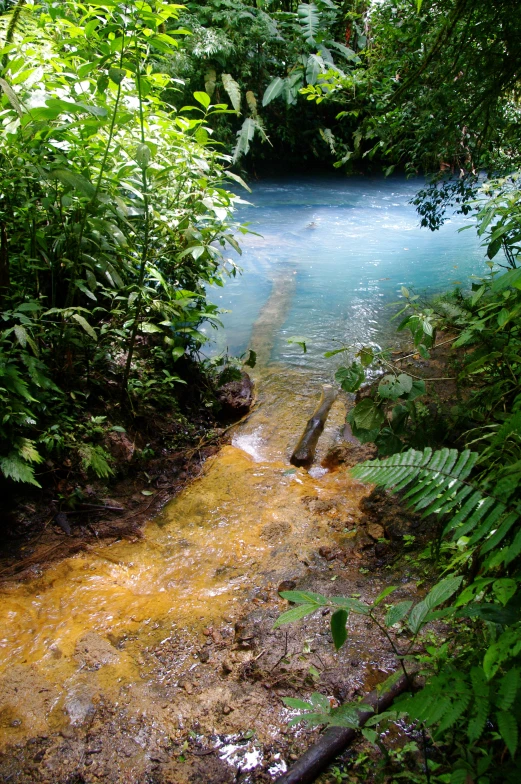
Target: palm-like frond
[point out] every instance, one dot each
(438, 483)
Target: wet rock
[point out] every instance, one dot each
(236, 397)
(93, 651)
(276, 531)
(79, 704)
(362, 540)
(227, 666)
(348, 454)
(328, 553)
(287, 585)
(26, 698)
(203, 655)
(375, 531)
(317, 506)
(388, 512)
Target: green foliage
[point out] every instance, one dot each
(113, 218)
(257, 57)
(434, 92)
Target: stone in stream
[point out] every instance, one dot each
(305, 450)
(236, 398)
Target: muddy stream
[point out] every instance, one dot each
(156, 661)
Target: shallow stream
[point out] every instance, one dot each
(331, 260)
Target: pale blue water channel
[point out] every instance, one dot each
(349, 245)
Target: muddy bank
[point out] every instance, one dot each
(154, 458)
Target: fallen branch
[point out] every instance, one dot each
(334, 740)
(305, 449)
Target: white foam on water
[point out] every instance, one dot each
(317, 471)
(251, 443)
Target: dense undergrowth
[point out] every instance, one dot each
(114, 215)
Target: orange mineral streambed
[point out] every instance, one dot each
(78, 635)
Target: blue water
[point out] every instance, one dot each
(351, 245)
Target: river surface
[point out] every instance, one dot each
(342, 249)
(85, 632)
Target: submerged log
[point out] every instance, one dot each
(305, 450)
(336, 739)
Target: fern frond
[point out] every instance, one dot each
(437, 483)
(508, 689)
(507, 726)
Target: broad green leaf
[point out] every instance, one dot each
(298, 342)
(442, 591)
(202, 98)
(85, 325)
(273, 90)
(295, 614)
(417, 617)
(116, 75)
(143, 155)
(11, 96)
(304, 597)
(292, 702)
(73, 180)
(244, 138)
(366, 355)
(504, 589)
(506, 647)
(350, 378)
(21, 334)
(338, 627)
(397, 613)
(315, 66)
(368, 415)
(384, 594)
(350, 604)
(233, 90)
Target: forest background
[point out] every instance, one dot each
(123, 127)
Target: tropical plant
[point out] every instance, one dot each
(113, 213)
(251, 54)
(470, 693)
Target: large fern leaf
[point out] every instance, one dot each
(438, 483)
